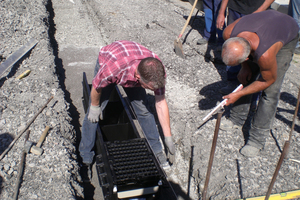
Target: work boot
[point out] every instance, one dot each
(228, 125)
(86, 172)
(202, 41)
(162, 160)
(249, 151)
(228, 88)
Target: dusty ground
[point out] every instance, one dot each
(80, 28)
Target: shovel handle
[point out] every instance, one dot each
(187, 21)
(43, 136)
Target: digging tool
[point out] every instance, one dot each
(219, 106)
(18, 136)
(212, 153)
(37, 150)
(177, 42)
(21, 168)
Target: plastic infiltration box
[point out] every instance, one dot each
(126, 165)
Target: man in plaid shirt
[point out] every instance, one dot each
(136, 68)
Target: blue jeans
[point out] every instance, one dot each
(266, 109)
(211, 10)
(294, 11)
(138, 99)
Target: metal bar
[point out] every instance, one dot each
(12, 59)
(283, 154)
(21, 169)
(28, 124)
(212, 153)
(295, 115)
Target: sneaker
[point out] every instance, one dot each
(249, 151)
(228, 125)
(202, 41)
(86, 172)
(228, 88)
(162, 160)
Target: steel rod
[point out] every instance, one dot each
(212, 153)
(295, 115)
(21, 169)
(283, 154)
(28, 124)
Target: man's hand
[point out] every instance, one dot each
(220, 22)
(170, 148)
(231, 98)
(94, 113)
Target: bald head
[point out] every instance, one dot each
(235, 51)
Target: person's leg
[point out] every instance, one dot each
(208, 18)
(146, 119)
(88, 130)
(294, 11)
(264, 116)
(240, 109)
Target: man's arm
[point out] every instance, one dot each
(163, 114)
(264, 6)
(268, 70)
(221, 15)
(95, 97)
(95, 111)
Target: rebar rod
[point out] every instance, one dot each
(212, 153)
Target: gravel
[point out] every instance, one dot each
(54, 174)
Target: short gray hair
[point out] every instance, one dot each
(235, 50)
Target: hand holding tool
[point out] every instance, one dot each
(94, 113)
(219, 106)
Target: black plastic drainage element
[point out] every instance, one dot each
(131, 162)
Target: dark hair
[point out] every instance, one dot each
(152, 72)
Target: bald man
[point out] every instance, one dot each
(263, 43)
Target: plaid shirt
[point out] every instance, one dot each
(118, 63)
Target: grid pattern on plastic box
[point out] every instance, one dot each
(131, 161)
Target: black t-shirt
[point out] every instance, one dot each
(245, 6)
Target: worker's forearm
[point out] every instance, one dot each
(255, 87)
(95, 97)
(223, 7)
(163, 117)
